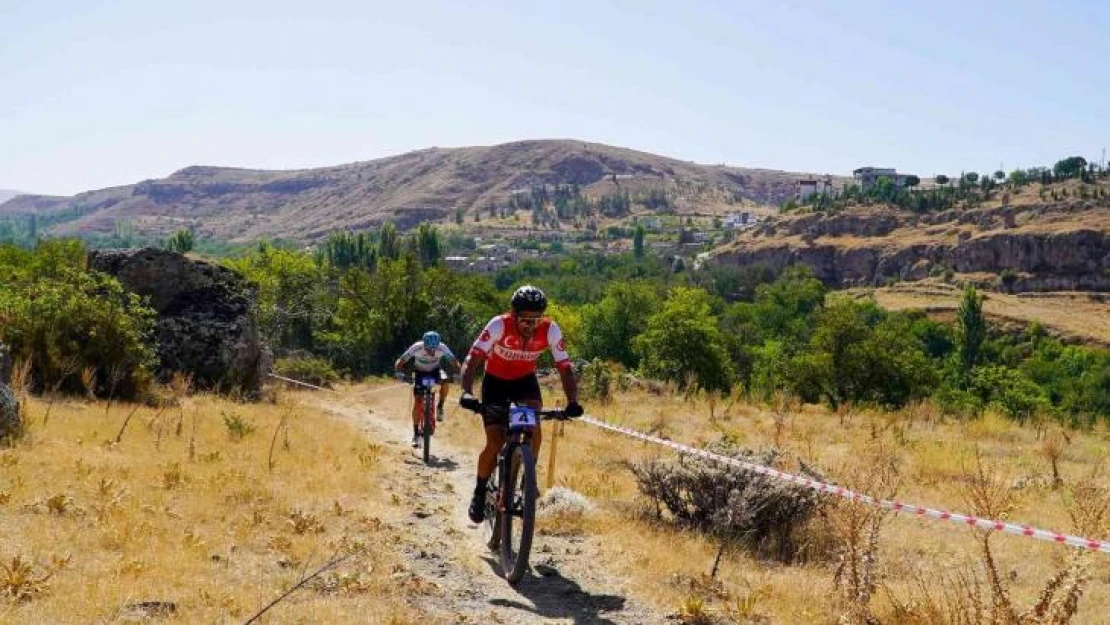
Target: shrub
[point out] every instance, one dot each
(735, 505)
(311, 369)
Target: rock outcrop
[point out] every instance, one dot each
(204, 326)
(1036, 248)
(10, 424)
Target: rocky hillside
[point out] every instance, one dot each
(1055, 246)
(242, 204)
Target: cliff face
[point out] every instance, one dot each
(1039, 248)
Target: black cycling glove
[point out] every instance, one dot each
(470, 402)
(573, 409)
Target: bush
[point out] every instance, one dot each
(65, 320)
(310, 369)
(736, 505)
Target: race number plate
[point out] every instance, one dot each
(522, 417)
(427, 380)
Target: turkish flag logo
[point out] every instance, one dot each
(562, 346)
(484, 337)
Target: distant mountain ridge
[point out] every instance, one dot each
(7, 194)
(431, 184)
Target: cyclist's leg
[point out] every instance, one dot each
(417, 407)
(487, 458)
(444, 386)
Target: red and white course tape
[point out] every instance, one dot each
(824, 487)
(897, 506)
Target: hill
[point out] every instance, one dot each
(432, 184)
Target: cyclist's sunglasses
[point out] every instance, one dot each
(527, 321)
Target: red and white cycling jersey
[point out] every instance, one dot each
(506, 354)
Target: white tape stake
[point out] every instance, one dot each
(897, 506)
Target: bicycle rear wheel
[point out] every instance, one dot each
(519, 518)
(429, 423)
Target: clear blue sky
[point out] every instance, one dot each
(96, 93)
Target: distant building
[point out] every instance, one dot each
(809, 188)
(867, 176)
(736, 221)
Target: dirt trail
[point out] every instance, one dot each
(448, 559)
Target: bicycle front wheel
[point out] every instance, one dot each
(519, 517)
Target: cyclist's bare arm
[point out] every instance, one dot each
(570, 385)
(469, 369)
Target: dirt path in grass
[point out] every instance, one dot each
(456, 576)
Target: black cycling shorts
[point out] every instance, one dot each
(416, 375)
(499, 392)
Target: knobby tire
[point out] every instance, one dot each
(519, 511)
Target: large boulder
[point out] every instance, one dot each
(204, 324)
(10, 424)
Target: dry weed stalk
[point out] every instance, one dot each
(21, 376)
(116, 374)
(123, 426)
(783, 407)
(859, 528)
(88, 382)
(283, 425)
(959, 599)
(1052, 448)
(66, 368)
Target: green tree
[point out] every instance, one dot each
(912, 181)
(610, 326)
(972, 177)
(294, 300)
(683, 344)
(429, 247)
(941, 179)
(1000, 175)
(1070, 167)
(181, 241)
(638, 242)
(971, 330)
(389, 243)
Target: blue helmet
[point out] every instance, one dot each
(431, 340)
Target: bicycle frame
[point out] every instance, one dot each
(426, 386)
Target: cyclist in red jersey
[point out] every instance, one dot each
(510, 345)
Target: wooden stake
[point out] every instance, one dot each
(556, 434)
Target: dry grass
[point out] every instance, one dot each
(936, 460)
(219, 523)
(209, 518)
(1079, 315)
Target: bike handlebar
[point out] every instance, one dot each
(554, 413)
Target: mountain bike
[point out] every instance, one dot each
(426, 385)
(511, 490)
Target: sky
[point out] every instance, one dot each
(96, 94)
